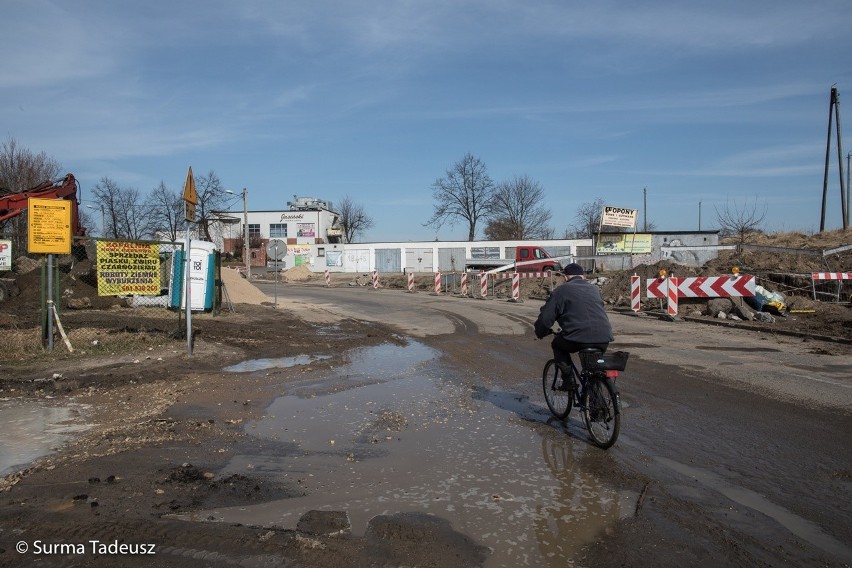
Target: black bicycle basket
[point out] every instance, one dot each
(615, 361)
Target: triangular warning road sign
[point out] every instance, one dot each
(189, 194)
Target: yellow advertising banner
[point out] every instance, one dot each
(49, 226)
(624, 243)
(126, 269)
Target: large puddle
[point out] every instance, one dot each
(407, 437)
(32, 430)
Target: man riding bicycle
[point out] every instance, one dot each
(578, 308)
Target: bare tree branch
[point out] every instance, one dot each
(21, 170)
(353, 218)
(740, 220)
(166, 209)
(124, 215)
(518, 211)
(464, 194)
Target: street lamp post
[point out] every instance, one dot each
(103, 218)
(846, 220)
(246, 250)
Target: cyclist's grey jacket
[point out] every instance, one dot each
(578, 308)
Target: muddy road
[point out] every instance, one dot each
(381, 428)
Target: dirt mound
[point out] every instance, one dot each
(298, 274)
(240, 290)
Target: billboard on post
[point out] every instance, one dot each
(618, 217)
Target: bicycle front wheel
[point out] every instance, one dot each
(601, 411)
(557, 397)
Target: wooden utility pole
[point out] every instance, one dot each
(834, 109)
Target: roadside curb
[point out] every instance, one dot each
(728, 323)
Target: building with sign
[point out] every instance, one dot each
(620, 251)
(306, 222)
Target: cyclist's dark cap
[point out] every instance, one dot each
(573, 269)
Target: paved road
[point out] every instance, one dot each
(733, 449)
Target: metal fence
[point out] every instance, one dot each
(109, 295)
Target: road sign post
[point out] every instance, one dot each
(190, 198)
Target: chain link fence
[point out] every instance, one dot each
(110, 296)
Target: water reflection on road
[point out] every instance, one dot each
(32, 429)
(407, 435)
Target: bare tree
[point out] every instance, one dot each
(518, 205)
(500, 229)
(464, 194)
(588, 219)
(166, 209)
(211, 197)
(20, 170)
(740, 220)
(124, 215)
(353, 218)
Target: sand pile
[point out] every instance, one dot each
(240, 290)
(298, 274)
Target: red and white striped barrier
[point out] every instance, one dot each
(464, 284)
(516, 287)
(665, 288)
(375, 280)
(824, 278)
(671, 302)
(411, 282)
(437, 282)
(483, 283)
(505, 275)
(831, 276)
(635, 292)
(327, 279)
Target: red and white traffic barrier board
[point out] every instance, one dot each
(716, 286)
(464, 283)
(411, 282)
(327, 279)
(657, 287)
(703, 287)
(635, 292)
(437, 282)
(375, 280)
(831, 276)
(483, 283)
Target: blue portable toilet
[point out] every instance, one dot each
(201, 277)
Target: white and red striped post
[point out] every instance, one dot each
(375, 280)
(327, 278)
(483, 283)
(437, 282)
(411, 282)
(635, 288)
(464, 284)
(671, 294)
(516, 287)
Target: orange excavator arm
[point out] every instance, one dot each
(13, 204)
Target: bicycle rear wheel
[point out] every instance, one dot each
(558, 399)
(601, 411)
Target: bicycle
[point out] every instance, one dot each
(592, 390)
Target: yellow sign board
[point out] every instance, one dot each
(49, 226)
(125, 268)
(625, 243)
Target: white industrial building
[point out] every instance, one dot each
(314, 236)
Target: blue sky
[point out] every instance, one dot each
(709, 102)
